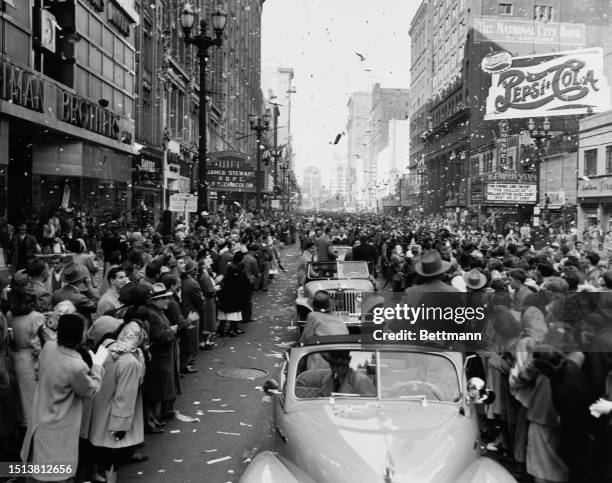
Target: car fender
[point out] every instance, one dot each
(485, 470)
(270, 467)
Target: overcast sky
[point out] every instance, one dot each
(319, 38)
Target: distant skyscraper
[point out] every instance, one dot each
(357, 127)
(311, 187)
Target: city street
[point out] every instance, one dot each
(234, 419)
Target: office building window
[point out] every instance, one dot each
(543, 13)
(609, 159)
(590, 162)
(504, 9)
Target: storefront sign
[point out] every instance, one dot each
(183, 202)
(553, 84)
(511, 192)
(595, 188)
(509, 177)
(22, 87)
(275, 204)
(503, 143)
(230, 171)
(87, 115)
(147, 172)
(501, 30)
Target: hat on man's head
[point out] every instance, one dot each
(190, 265)
(321, 301)
(73, 273)
(160, 291)
(431, 264)
(475, 279)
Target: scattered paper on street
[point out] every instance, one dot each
(218, 460)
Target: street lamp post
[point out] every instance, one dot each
(260, 125)
(202, 42)
(539, 134)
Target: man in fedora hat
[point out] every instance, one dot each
(475, 280)
(74, 276)
(161, 377)
(431, 268)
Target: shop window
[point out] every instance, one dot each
(609, 159)
(504, 9)
(590, 162)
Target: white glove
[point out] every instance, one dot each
(602, 406)
(99, 358)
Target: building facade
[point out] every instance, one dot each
(387, 104)
(594, 170)
(420, 99)
(469, 162)
(357, 127)
(67, 77)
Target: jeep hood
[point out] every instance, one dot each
(347, 284)
(348, 442)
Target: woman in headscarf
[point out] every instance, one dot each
(117, 417)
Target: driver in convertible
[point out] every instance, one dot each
(341, 379)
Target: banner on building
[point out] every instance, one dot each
(511, 192)
(229, 171)
(183, 203)
(555, 84)
(502, 30)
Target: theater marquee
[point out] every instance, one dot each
(556, 84)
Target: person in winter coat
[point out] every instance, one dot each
(65, 379)
(8, 396)
(29, 335)
(117, 416)
(232, 298)
(208, 324)
(161, 379)
(192, 304)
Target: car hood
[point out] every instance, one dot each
(352, 284)
(347, 442)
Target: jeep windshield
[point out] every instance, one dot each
(377, 374)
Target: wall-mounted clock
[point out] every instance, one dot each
(48, 27)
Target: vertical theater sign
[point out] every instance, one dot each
(555, 84)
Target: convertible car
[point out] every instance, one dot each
(400, 414)
(352, 289)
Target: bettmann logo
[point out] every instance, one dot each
(566, 82)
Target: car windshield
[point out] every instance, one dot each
(381, 374)
(353, 270)
(319, 270)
